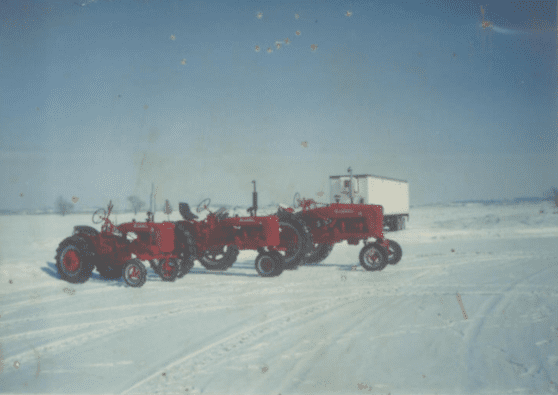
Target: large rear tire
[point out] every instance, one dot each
(219, 258)
(318, 253)
(185, 266)
(373, 257)
(75, 259)
(186, 250)
(108, 271)
(292, 241)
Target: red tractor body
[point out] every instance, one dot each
(111, 251)
(333, 223)
(246, 233)
(153, 241)
(338, 222)
(172, 247)
(217, 240)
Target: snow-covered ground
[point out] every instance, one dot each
(471, 308)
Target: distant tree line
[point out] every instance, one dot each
(552, 195)
(64, 206)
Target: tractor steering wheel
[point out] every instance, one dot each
(296, 200)
(99, 216)
(203, 206)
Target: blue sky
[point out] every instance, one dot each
(101, 98)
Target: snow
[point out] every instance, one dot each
(326, 328)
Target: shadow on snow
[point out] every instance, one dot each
(52, 271)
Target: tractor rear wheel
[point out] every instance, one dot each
(154, 263)
(134, 273)
(318, 253)
(278, 258)
(185, 266)
(373, 257)
(74, 259)
(219, 259)
(292, 238)
(108, 271)
(187, 250)
(268, 264)
(394, 252)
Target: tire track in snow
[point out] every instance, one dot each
(480, 318)
(112, 308)
(114, 326)
(242, 335)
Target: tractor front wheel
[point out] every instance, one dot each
(134, 273)
(373, 257)
(74, 260)
(268, 265)
(169, 269)
(394, 252)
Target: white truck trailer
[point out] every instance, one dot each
(390, 193)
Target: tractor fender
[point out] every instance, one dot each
(85, 230)
(286, 215)
(183, 235)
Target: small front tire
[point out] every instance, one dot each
(134, 273)
(169, 268)
(394, 253)
(269, 265)
(373, 257)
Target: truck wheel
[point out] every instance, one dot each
(134, 273)
(74, 260)
(168, 269)
(373, 257)
(219, 259)
(318, 253)
(268, 265)
(394, 252)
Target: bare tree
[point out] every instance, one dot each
(136, 202)
(63, 206)
(553, 195)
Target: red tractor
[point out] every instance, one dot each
(172, 247)
(280, 240)
(110, 251)
(333, 223)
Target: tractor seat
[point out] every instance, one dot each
(222, 214)
(184, 210)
